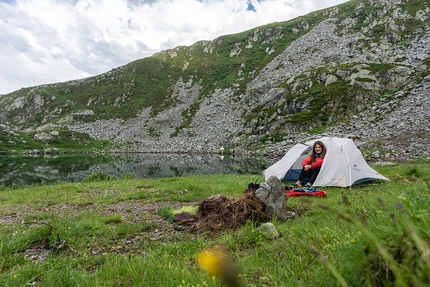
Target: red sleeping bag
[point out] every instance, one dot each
(304, 192)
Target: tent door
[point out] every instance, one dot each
(294, 172)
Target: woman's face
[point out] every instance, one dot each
(318, 149)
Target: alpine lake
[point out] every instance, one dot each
(22, 170)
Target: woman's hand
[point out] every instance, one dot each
(307, 167)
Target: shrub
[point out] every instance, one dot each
(97, 176)
(413, 171)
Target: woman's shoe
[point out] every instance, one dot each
(297, 184)
(308, 185)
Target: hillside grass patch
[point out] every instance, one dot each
(361, 236)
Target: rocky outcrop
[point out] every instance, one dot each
(401, 133)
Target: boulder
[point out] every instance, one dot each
(272, 194)
(43, 137)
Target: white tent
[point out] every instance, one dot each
(343, 164)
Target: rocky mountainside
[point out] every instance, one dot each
(360, 69)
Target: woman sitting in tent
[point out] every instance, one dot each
(312, 164)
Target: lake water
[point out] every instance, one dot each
(44, 169)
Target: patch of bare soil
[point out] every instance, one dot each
(132, 212)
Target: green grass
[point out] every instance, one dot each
(374, 234)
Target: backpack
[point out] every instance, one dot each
(252, 187)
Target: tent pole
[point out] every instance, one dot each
(349, 166)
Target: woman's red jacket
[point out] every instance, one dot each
(318, 162)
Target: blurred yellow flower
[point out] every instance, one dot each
(217, 264)
(210, 261)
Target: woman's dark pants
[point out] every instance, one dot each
(312, 173)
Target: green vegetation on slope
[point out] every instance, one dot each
(125, 91)
(230, 62)
(65, 141)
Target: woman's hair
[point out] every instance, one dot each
(324, 150)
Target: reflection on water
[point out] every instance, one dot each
(43, 169)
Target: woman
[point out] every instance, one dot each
(312, 164)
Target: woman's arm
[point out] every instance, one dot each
(317, 164)
(306, 161)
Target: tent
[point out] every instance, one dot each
(343, 164)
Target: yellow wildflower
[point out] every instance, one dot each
(217, 264)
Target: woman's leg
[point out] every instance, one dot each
(314, 175)
(302, 175)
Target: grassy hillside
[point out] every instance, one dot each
(126, 90)
(305, 103)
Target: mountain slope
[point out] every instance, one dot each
(342, 71)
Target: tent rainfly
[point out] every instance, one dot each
(343, 164)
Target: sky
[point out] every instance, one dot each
(51, 41)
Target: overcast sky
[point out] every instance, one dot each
(50, 41)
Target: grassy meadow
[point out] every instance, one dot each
(374, 234)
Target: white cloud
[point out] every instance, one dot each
(43, 41)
